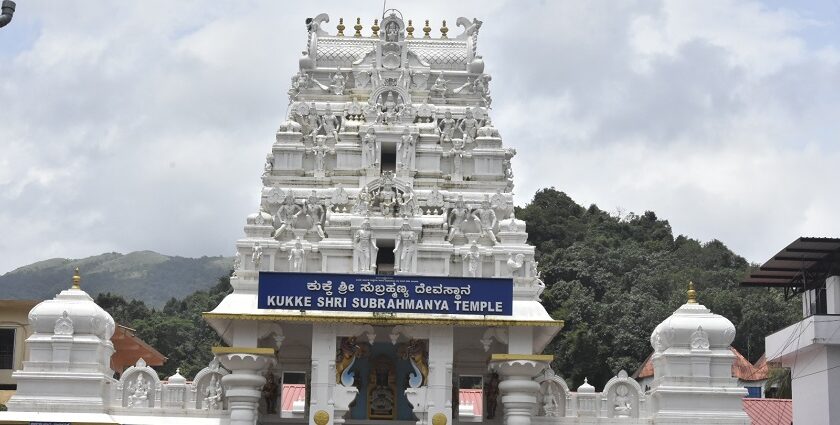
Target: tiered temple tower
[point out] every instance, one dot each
(387, 164)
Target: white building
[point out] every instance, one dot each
(384, 270)
(811, 347)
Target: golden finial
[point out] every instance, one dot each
(692, 294)
(76, 279)
(375, 28)
(410, 30)
(340, 27)
(426, 30)
(358, 27)
(443, 30)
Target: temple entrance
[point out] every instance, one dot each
(385, 256)
(382, 377)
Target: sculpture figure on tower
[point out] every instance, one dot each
(407, 204)
(391, 109)
(313, 123)
(392, 32)
(320, 152)
(387, 200)
(458, 153)
(473, 260)
(139, 392)
(370, 155)
(405, 248)
(363, 202)
(457, 217)
(330, 123)
(447, 127)
(312, 212)
(405, 150)
(440, 86)
(257, 255)
(285, 214)
(365, 249)
(337, 83)
(297, 257)
(468, 127)
(269, 165)
(487, 218)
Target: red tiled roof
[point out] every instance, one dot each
(741, 368)
(769, 411)
(474, 397)
(291, 393)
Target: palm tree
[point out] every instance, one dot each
(778, 383)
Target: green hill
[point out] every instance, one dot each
(143, 275)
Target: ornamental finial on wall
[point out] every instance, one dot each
(76, 279)
(692, 294)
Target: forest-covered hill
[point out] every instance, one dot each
(612, 279)
(143, 275)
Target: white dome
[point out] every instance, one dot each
(177, 378)
(79, 314)
(693, 326)
(585, 387)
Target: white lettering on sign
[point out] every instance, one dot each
(288, 301)
(479, 306)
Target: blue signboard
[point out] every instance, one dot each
(385, 294)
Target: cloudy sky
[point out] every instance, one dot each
(137, 125)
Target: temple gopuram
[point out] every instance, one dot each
(382, 278)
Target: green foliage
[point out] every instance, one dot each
(613, 279)
(177, 331)
(778, 383)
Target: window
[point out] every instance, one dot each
(753, 392)
(7, 348)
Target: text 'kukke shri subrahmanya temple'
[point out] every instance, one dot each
(383, 277)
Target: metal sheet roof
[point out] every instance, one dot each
(803, 264)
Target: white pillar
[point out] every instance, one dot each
(322, 376)
(832, 294)
(439, 386)
(517, 386)
(243, 386)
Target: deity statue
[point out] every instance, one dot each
(473, 260)
(296, 257)
(481, 87)
(468, 126)
(237, 261)
(370, 158)
(405, 150)
(284, 215)
(487, 218)
(363, 202)
(299, 82)
(257, 255)
(320, 152)
(364, 246)
(515, 263)
(269, 165)
(386, 202)
(622, 407)
(391, 109)
(392, 32)
(406, 204)
(440, 86)
(313, 212)
(139, 392)
(487, 130)
(405, 247)
(457, 217)
(337, 83)
(458, 153)
(213, 394)
(330, 123)
(447, 127)
(313, 123)
(269, 393)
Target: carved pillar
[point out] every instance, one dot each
(322, 376)
(439, 388)
(518, 388)
(244, 384)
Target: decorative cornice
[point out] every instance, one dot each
(385, 320)
(533, 357)
(243, 350)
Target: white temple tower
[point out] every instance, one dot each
(388, 168)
